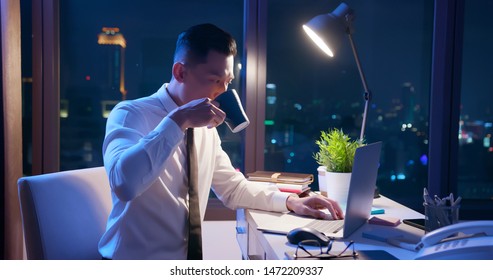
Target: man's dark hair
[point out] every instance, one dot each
(194, 44)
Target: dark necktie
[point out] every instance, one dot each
(194, 227)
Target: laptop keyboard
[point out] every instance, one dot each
(332, 226)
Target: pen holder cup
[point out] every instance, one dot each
(440, 216)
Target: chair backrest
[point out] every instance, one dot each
(64, 214)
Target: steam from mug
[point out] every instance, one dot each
(230, 103)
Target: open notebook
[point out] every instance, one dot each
(360, 198)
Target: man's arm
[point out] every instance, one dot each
(134, 157)
(237, 192)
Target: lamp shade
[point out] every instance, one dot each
(326, 30)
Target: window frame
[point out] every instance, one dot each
(445, 96)
(46, 87)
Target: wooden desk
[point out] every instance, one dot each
(255, 244)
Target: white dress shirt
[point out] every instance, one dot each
(145, 159)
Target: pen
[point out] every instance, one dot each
(457, 201)
(427, 198)
(402, 244)
(438, 201)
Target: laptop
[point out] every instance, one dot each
(359, 202)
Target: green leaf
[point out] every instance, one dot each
(336, 150)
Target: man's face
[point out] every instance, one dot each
(209, 79)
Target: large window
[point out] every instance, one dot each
(307, 92)
(116, 50)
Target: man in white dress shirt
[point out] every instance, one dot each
(145, 156)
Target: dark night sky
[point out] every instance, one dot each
(150, 20)
(161, 21)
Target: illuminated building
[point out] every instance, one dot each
(111, 37)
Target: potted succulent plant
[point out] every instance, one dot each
(335, 157)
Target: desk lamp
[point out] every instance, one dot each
(325, 30)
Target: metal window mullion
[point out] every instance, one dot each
(445, 96)
(255, 36)
(46, 87)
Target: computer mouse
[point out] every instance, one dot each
(297, 235)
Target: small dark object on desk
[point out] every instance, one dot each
(418, 223)
(375, 255)
(297, 235)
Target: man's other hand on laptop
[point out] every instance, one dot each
(312, 206)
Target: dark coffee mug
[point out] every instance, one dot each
(230, 103)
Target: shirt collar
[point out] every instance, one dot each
(168, 103)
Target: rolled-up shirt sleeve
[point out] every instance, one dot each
(134, 155)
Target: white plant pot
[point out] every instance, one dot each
(322, 183)
(334, 185)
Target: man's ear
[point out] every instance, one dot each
(179, 71)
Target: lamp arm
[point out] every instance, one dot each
(358, 63)
(367, 95)
(365, 114)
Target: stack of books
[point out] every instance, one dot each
(297, 183)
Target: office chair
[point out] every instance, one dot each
(64, 214)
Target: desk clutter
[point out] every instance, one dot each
(440, 212)
(314, 250)
(298, 183)
(358, 255)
